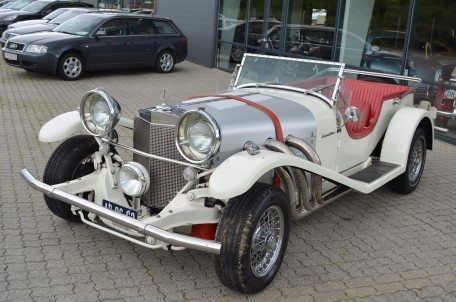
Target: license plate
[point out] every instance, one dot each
(119, 209)
(11, 56)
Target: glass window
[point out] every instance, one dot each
(20, 4)
(113, 27)
(140, 26)
(164, 27)
(372, 34)
(310, 28)
(55, 13)
(433, 54)
(35, 6)
(80, 25)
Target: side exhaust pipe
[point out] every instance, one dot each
(299, 182)
(311, 154)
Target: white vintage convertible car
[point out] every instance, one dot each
(227, 173)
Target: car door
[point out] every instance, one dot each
(144, 42)
(110, 45)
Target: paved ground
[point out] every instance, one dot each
(381, 247)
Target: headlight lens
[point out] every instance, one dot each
(99, 112)
(198, 136)
(134, 179)
(36, 48)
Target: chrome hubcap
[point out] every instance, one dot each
(72, 67)
(416, 161)
(166, 62)
(267, 241)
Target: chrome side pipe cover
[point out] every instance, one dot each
(136, 225)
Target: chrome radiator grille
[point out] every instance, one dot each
(166, 178)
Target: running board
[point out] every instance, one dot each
(373, 172)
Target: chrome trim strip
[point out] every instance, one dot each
(128, 222)
(447, 113)
(148, 155)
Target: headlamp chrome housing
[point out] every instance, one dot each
(197, 136)
(134, 179)
(99, 113)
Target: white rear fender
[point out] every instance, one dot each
(65, 125)
(399, 135)
(60, 127)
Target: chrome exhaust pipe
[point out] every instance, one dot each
(134, 224)
(311, 155)
(301, 189)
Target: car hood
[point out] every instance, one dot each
(44, 37)
(13, 13)
(32, 29)
(28, 23)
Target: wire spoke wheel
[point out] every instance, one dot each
(416, 161)
(267, 241)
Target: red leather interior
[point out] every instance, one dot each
(368, 97)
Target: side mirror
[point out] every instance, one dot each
(47, 12)
(352, 114)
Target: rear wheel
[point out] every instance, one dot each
(409, 180)
(72, 159)
(165, 62)
(254, 232)
(71, 66)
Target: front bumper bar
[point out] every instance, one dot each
(448, 114)
(137, 225)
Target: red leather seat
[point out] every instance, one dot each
(368, 97)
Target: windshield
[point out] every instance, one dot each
(19, 4)
(66, 16)
(318, 76)
(35, 6)
(80, 25)
(55, 13)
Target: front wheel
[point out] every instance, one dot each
(71, 66)
(72, 159)
(409, 180)
(253, 230)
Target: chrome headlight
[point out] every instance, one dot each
(36, 48)
(197, 136)
(134, 179)
(99, 112)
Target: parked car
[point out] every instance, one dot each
(245, 163)
(45, 19)
(36, 10)
(49, 26)
(100, 41)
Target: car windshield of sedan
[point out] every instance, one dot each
(80, 25)
(35, 6)
(65, 17)
(20, 4)
(318, 76)
(55, 13)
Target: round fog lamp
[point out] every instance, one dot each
(134, 179)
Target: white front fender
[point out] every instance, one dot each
(60, 127)
(237, 174)
(65, 125)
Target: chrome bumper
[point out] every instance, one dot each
(137, 225)
(447, 114)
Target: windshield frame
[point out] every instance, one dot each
(331, 65)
